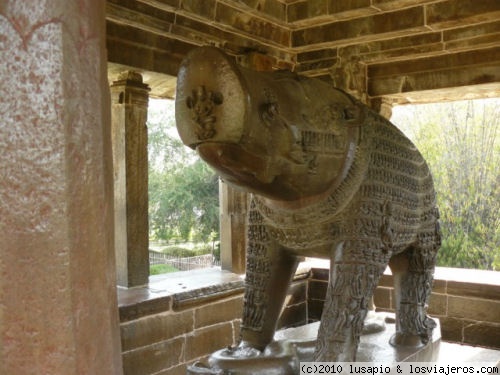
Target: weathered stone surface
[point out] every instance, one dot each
(154, 358)
(155, 328)
(438, 304)
(135, 309)
(335, 6)
(58, 311)
(305, 9)
(219, 312)
(453, 13)
(382, 298)
(474, 309)
(482, 334)
(252, 25)
(293, 316)
(206, 340)
(368, 27)
(450, 70)
(271, 8)
(202, 8)
(129, 98)
(486, 291)
(452, 329)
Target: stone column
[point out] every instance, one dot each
(58, 305)
(129, 97)
(233, 212)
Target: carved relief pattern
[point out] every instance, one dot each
(257, 272)
(202, 103)
(346, 305)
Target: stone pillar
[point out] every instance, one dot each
(129, 97)
(58, 305)
(233, 212)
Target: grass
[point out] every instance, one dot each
(157, 269)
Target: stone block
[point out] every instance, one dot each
(293, 316)
(315, 309)
(472, 31)
(386, 280)
(465, 289)
(396, 4)
(436, 72)
(155, 328)
(484, 40)
(368, 27)
(140, 56)
(482, 334)
(316, 65)
(320, 274)
(142, 308)
(317, 290)
(305, 9)
(335, 6)
(474, 309)
(154, 358)
(176, 370)
(324, 54)
(440, 286)
(251, 25)
(451, 329)
(438, 305)
(206, 340)
(382, 298)
(136, 12)
(449, 13)
(297, 293)
(272, 8)
(218, 312)
(201, 8)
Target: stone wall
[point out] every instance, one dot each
(163, 334)
(162, 330)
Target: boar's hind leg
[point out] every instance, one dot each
(350, 288)
(270, 269)
(413, 272)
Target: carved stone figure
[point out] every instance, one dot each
(330, 178)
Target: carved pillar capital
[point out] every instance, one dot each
(130, 89)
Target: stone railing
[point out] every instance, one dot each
(182, 317)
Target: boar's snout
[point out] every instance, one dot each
(210, 99)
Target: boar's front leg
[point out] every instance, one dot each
(270, 269)
(354, 274)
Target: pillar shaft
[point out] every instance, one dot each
(58, 305)
(129, 98)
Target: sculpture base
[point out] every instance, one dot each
(295, 345)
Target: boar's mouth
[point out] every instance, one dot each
(236, 165)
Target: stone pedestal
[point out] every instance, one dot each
(295, 345)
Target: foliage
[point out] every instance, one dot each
(460, 141)
(157, 269)
(183, 190)
(184, 252)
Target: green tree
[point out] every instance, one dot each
(183, 190)
(460, 141)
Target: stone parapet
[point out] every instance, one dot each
(184, 317)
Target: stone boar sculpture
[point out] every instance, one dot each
(329, 178)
